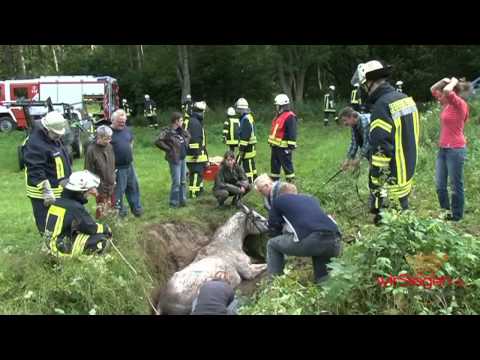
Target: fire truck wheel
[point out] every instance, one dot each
(7, 124)
(21, 160)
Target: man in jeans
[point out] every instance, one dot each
(127, 181)
(301, 228)
(174, 141)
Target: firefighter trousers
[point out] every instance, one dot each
(40, 212)
(281, 158)
(195, 178)
(79, 244)
(250, 169)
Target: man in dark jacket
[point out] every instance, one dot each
(70, 231)
(216, 297)
(174, 141)
(231, 180)
(127, 181)
(394, 137)
(100, 160)
(301, 228)
(47, 165)
(197, 156)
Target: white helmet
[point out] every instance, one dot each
(331, 87)
(55, 122)
(200, 105)
(82, 181)
(124, 101)
(231, 111)
(241, 104)
(399, 83)
(147, 97)
(356, 85)
(281, 99)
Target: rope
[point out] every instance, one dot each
(136, 273)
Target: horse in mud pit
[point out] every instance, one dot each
(223, 254)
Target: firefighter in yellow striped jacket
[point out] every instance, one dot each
(70, 231)
(197, 156)
(186, 110)
(394, 135)
(47, 165)
(283, 139)
(329, 105)
(231, 129)
(247, 140)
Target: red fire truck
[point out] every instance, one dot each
(79, 91)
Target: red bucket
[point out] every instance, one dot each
(211, 172)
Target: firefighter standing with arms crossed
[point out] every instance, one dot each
(247, 140)
(47, 165)
(283, 139)
(394, 135)
(230, 129)
(197, 156)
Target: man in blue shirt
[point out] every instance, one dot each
(360, 143)
(127, 181)
(301, 228)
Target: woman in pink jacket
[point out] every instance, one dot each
(451, 94)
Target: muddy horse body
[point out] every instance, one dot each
(224, 253)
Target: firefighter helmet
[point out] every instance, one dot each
(331, 87)
(200, 105)
(241, 104)
(147, 97)
(82, 181)
(124, 101)
(281, 100)
(55, 122)
(399, 83)
(231, 111)
(372, 70)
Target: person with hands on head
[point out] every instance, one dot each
(452, 94)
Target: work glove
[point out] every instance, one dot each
(287, 151)
(48, 195)
(63, 182)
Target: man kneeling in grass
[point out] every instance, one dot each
(231, 180)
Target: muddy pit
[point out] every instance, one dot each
(170, 247)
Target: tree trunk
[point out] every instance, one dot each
(131, 57)
(21, 60)
(139, 57)
(300, 84)
(55, 59)
(319, 78)
(183, 70)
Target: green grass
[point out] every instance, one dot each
(31, 283)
